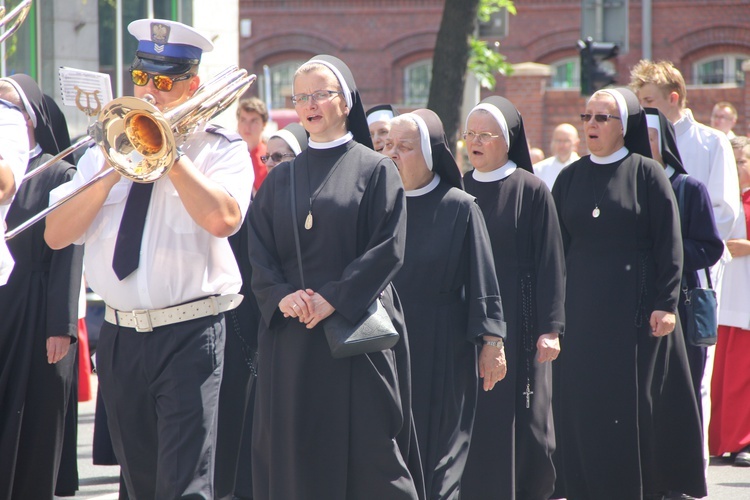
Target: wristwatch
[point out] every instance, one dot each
(495, 343)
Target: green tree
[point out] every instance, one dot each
(457, 50)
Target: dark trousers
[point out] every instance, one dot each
(161, 392)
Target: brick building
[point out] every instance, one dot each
(389, 46)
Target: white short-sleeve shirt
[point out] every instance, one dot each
(180, 261)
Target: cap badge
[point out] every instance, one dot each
(159, 33)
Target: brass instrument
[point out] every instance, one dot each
(139, 141)
(18, 15)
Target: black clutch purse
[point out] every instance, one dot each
(372, 333)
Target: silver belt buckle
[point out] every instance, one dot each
(142, 321)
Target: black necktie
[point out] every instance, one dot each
(128, 245)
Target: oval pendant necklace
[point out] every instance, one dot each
(596, 212)
(309, 218)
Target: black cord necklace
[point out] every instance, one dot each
(309, 218)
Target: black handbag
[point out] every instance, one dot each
(700, 303)
(700, 306)
(372, 333)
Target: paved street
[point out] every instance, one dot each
(101, 483)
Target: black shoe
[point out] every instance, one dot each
(743, 458)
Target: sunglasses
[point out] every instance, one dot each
(161, 82)
(586, 117)
(276, 157)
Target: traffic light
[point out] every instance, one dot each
(594, 74)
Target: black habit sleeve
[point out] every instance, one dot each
(381, 241)
(549, 259)
(483, 293)
(268, 281)
(664, 232)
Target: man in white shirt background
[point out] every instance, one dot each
(564, 146)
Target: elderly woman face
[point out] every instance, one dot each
(603, 138)
(485, 143)
(320, 104)
(278, 151)
(403, 146)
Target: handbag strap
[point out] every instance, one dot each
(681, 206)
(293, 197)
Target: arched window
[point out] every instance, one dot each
(723, 69)
(282, 76)
(417, 77)
(566, 73)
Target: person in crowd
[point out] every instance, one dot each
(285, 144)
(450, 297)
(252, 117)
(724, 118)
(564, 147)
(379, 121)
(707, 157)
(706, 152)
(729, 430)
(14, 157)
(624, 377)
(234, 435)
(166, 274)
(326, 427)
(40, 318)
(536, 155)
(701, 244)
(513, 440)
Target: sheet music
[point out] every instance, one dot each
(89, 91)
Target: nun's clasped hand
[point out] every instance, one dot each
(297, 305)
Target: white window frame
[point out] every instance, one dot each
(729, 62)
(575, 77)
(417, 101)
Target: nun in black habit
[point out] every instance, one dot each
(324, 427)
(701, 244)
(628, 423)
(40, 321)
(450, 297)
(232, 479)
(379, 121)
(513, 440)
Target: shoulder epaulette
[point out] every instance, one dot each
(227, 134)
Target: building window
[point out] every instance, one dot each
(282, 77)
(566, 74)
(726, 69)
(417, 79)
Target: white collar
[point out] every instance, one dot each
(669, 171)
(332, 144)
(497, 174)
(413, 193)
(36, 151)
(616, 156)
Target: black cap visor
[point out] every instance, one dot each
(167, 66)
